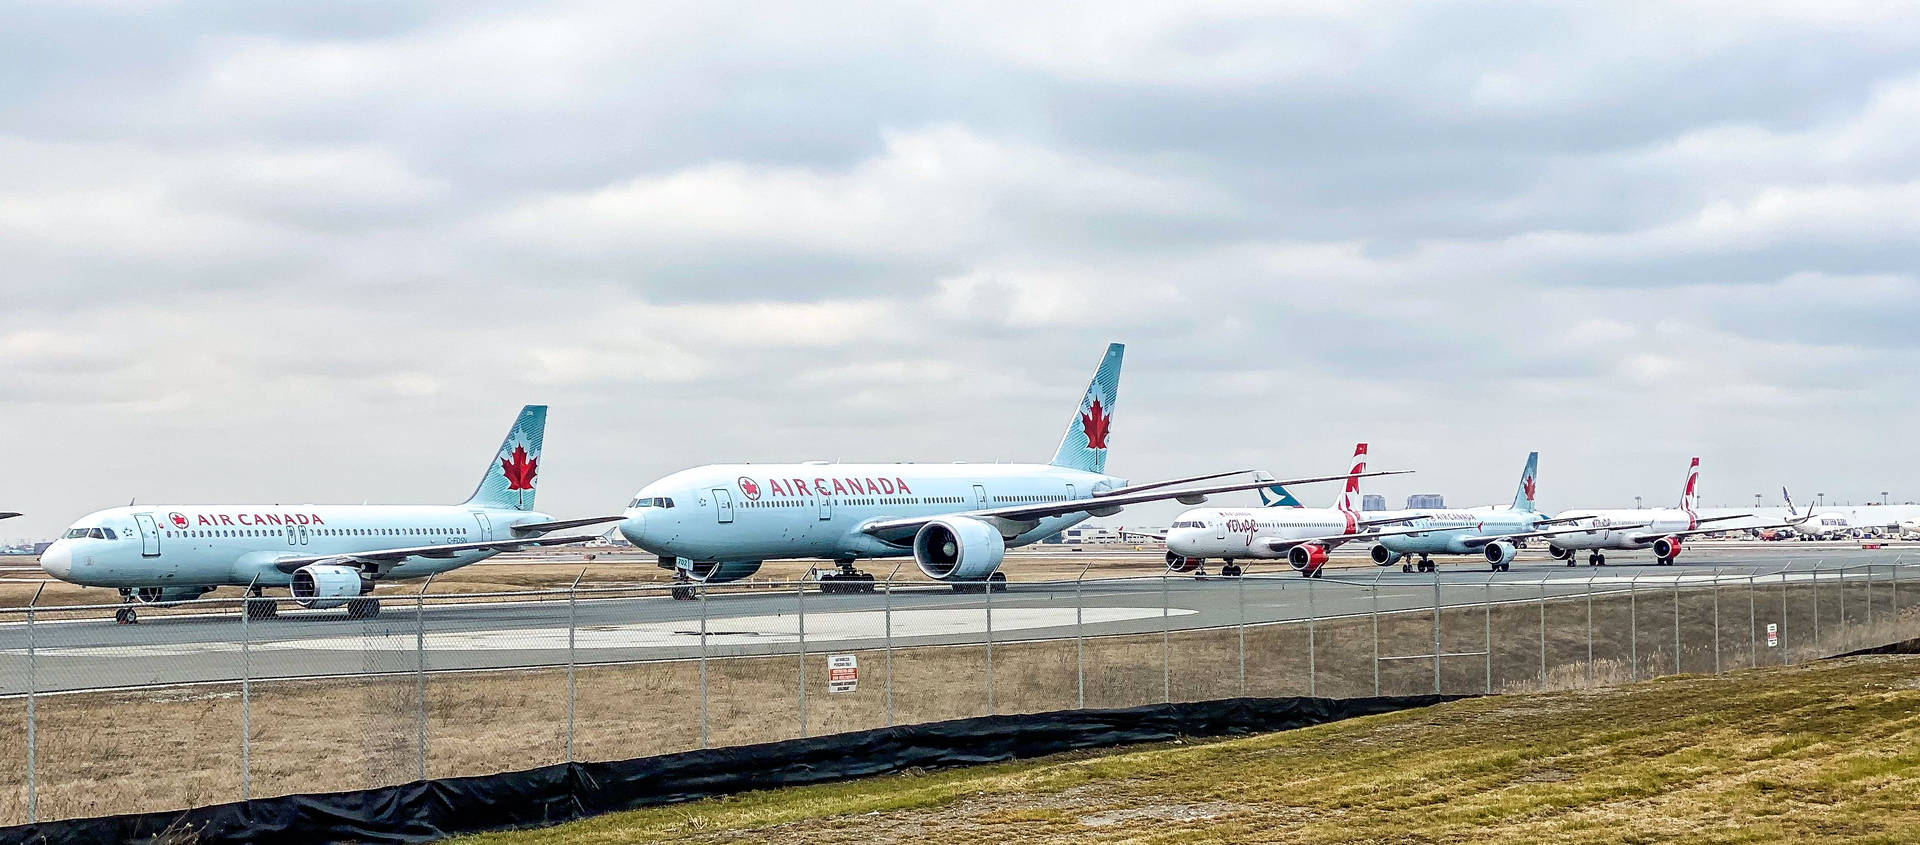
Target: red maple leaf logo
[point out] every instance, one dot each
(1529, 486)
(520, 469)
(748, 487)
(179, 519)
(1094, 421)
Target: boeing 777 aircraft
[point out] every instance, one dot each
(717, 523)
(327, 555)
(1660, 529)
(1281, 529)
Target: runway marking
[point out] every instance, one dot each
(778, 629)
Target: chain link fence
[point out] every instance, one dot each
(203, 702)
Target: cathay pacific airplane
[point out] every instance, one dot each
(326, 555)
(717, 523)
(1282, 529)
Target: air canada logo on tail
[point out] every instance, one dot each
(1528, 486)
(1095, 422)
(520, 469)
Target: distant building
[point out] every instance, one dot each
(1426, 501)
(1373, 502)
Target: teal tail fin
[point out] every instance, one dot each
(511, 476)
(1274, 495)
(1085, 445)
(1523, 498)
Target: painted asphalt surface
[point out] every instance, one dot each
(94, 653)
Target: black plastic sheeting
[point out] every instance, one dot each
(424, 811)
(1901, 647)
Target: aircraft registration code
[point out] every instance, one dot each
(843, 672)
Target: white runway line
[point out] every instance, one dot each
(781, 629)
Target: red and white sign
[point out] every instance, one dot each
(843, 673)
(1773, 635)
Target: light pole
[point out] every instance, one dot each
(1756, 500)
(1819, 499)
(1636, 503)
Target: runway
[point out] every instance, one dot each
(453, 635)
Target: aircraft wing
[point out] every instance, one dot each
(1477, 542)
(1638, 537)
(1017, 519)
(563, 524)
(8, 515)
(1141, 488)
(1396, 520)
(1124, 534)
(1280, 545)
(395, 555)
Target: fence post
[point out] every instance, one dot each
(1896, 598)
(420, 676)
(1436, 630)
(1716, 619)
(1846, 630)
(989, 606)
(1080, 641)
(1313, 681)
(1816, 609)
(1753, 625)
(700, 593)
(1373, 615)
(1166, 643)
(33, 683)
(1676, 624)
(1240, 583)
(800, 605)
(1486, 607)
(1633, 627)
(1869, 599)
(246, 693)
(1784, 659)
(573, 625)
(886, 617)
(1543, 632)
(1590, 628)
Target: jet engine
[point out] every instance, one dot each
(1383, 556)
(1307, 558)
(1666, 548)
(720, 572)
(320, 586)
(958, 549)
(151, 595)
(1500, 553)
(1558, 553)
(1183, 565)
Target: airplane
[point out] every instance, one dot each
(717, 523)
(326, 555)
(1280, 529)
(1660, 529)
(1832, 525)
(1488, 532)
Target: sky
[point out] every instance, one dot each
(324, 252)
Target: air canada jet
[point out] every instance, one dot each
(1489, 532)
(717, 523)
(326, 555)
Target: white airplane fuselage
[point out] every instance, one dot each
(211, 545)
(1648, 525)
(757, 512)
(1235, 533)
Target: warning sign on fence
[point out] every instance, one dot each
(843, 672)
(1773, 635)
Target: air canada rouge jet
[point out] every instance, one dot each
(326, 555)
(717, 523)
(1659, 529)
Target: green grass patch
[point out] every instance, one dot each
(1821, 752)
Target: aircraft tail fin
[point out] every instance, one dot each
(1523, 498)
(1690, 495)
(1349, 501)
(1085, 445)
(1274, 495)
(511, 476)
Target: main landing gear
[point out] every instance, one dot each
(1230, 570)
(1663, 561)
(261, 607)
(847, 580)
(363, 608)
(1594, 559)
(1425, 564)
(997, 582)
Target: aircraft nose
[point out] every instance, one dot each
(634, 527)
(57, 560)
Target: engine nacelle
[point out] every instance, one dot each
(1383, 556)
(1182, 565)
(1307, 558)
(152, 595)
(1500, 552)
(721, 571)
(1667, 547)
(1558, 553)
(319, 586)
(958, 549)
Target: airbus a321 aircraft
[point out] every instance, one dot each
(327, 555)
(1660, 529)
(1489, 532)
(717, 523)
(1282, 529)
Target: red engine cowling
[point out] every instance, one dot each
(1307, 558)
(1178, 564)
(1667, 547)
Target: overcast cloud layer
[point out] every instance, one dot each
(264, 253)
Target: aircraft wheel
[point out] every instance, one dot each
(261, 608)
(682, 593)
(363, 608)
(126, 616)
(997, 582)
(1406, 567)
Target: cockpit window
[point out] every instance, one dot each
(652, 502)
(109, 533)
(95, 533)
(76, 533)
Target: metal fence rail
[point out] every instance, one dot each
(204, 701)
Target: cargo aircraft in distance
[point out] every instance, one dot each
(326, 555)
(717, 523)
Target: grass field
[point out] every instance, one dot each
(1818, 752)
